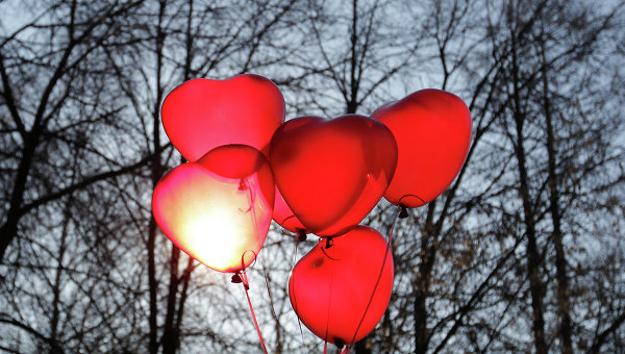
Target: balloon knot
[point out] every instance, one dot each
(301, 236)
(239, 278)
(403, 213)
(329, 242)
(236, 278)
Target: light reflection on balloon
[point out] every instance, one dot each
(217, 209)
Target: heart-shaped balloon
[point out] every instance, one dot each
(202, 114)
(332, 173)
(218, 209)
(433, 132)
(330, 288)
(285, 217)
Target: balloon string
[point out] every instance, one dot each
(295, 254)
(252, 200)
(246, 287)
(241, 277)
(377, 282)
(325, 337)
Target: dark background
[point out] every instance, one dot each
(524, 253)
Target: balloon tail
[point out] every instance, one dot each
(421, 200)
(301, 236)
(377, 282)
(345, 349)
(403, 213)
(246, 286)
(325, 346)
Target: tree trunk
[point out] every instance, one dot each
(157, 170)
(9, 229)
(562, 292)
(169, 334)
(533, 259)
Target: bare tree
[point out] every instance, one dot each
(524, 250)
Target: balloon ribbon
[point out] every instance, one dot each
(241, 277)
(399, 214)
(301, 237)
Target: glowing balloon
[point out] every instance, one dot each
(218, 209)
(332, 173)
(330, 288)
(433, 132)
(284, 216)
(202, 114)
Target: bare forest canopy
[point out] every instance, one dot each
(524, 253)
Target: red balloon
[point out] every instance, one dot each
(332, 173)
(330, 288)
(433, 132)
(202, 114)
(218, 209)
(284, 216)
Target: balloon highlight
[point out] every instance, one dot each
(217, 210)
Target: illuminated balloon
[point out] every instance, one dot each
(433, 132)
(218, 209)
(332, 173)
(330, 288)
(202, 114)
(284, 216)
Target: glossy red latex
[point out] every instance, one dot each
(330, 288)
(284, 216)
(202, 114)
(433, 132)
(332, 173)
(218, 209)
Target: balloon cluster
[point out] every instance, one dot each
(247, 166)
